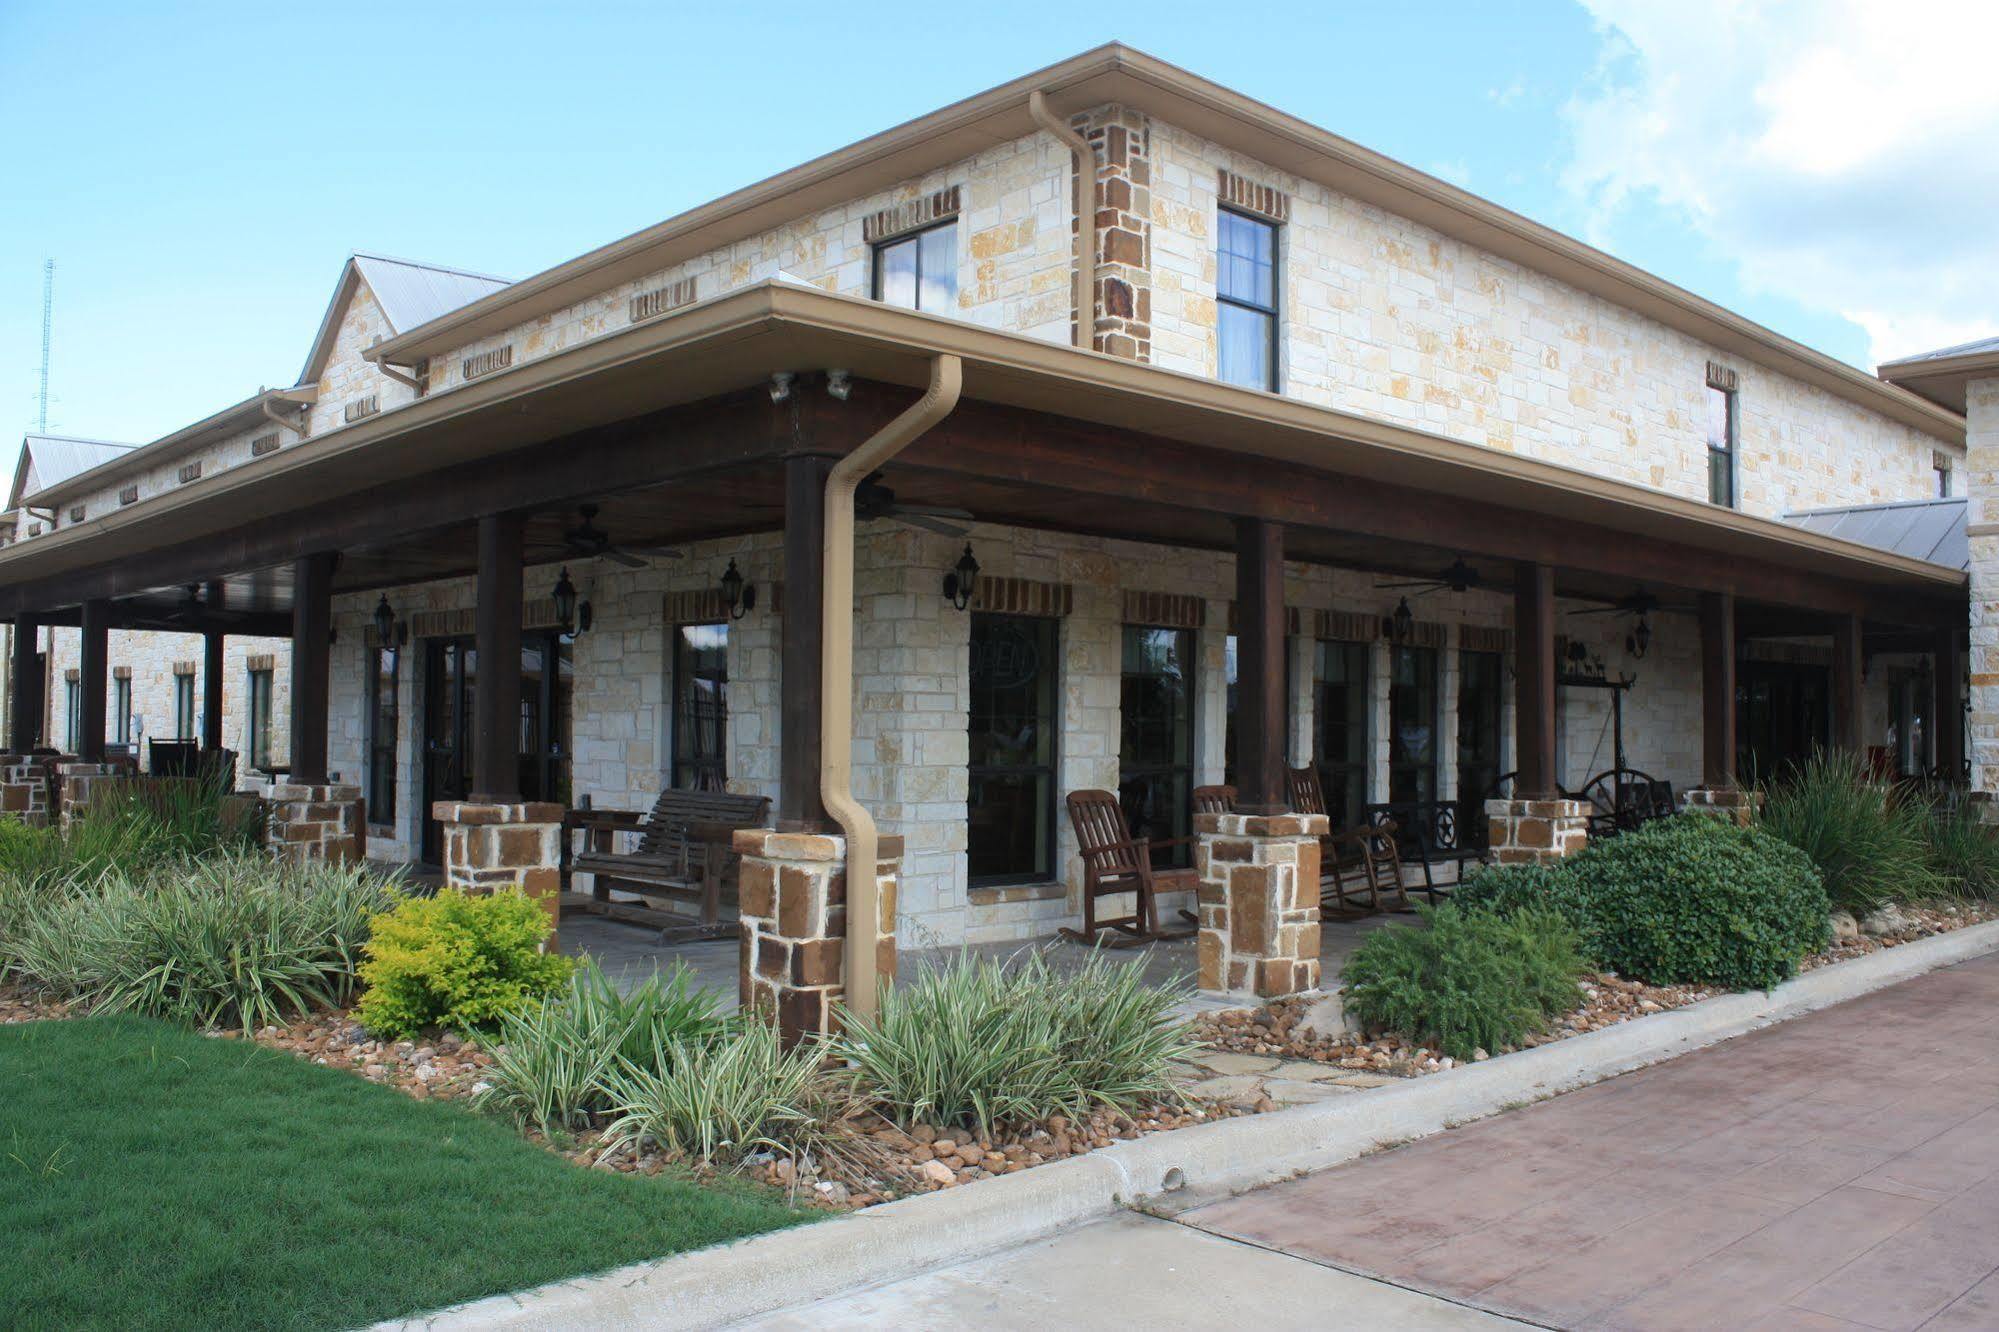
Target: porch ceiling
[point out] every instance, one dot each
(667, 426)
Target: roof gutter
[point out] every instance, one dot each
(836, 675)
(1086, 214)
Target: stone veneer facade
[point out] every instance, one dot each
(1259, 902)
(795, 918)
(1536, 831)
(497, 846)
(1982, 474)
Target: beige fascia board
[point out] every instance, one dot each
(808, 328)
(1115, 73)
(208, 430)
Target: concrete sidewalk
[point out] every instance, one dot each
(1136, 1271)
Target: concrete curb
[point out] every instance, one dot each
(723, 1285)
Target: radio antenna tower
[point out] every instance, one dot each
(48, 314)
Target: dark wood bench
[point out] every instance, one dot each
(1433, 834)
(683, 849)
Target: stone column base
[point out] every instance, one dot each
(493, 847)
(1259, 902)
(313, 823)
(1729, 802)
(1531, 831)
(26, 784)
(81, 783)
(792, 900)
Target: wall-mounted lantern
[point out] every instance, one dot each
(389, 631)
(1638, 640)
(740, 597)
(1401, 626)
(572, 613)
(962, 581)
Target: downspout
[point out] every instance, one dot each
(836, 673)
(1086, 214)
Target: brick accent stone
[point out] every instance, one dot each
(1525, 831)
(1722, 802)
(1245, 194)
(310, 823)
(81, 783)
(494, 847)
(1259, 902)
(915, 215)
(793, 907)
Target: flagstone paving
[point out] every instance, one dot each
(1837, 1171)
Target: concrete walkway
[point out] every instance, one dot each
(1837, 1171)
(1136, 1271)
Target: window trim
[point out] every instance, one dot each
(1048, 871)
(676, 663)
(258, 726)
(1273, 312)
(186, 725)
(121, 709)
(911, 237)
(1731, 399)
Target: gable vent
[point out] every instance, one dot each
(486, 362)
(264, 444)
(190, 471)
(76, 512)
(129, 495)
(652, 304)
(362, 408)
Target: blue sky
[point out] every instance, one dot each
(199, 172)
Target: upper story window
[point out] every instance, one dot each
(1723, 433)
(1941, 462)
(919, 271)
(1246, 296)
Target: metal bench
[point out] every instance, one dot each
(683, 849)
(1431, 833)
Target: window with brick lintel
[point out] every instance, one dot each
(1246, 300)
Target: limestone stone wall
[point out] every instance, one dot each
(1982, 477)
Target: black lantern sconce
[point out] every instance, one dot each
(1638, 640)
(571, 612)
(740, 597)
(1400, 626)
(962, 581)
(389, 631)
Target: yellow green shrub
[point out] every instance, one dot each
(456, 961)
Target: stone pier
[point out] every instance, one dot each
(1259, 902)
(313, 822)
(1528, 831)
(793, 895)
(493, 847)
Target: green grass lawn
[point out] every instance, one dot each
(150, 1177)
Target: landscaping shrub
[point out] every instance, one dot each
(980, 1043)
(1691, 900)
(1466, 979)
(551, 1067)
(456, 961)
(1870, 840)
(227, 940)
(1964, 850)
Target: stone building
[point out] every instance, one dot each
(1272, 435)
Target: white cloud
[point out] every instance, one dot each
(1844, 154)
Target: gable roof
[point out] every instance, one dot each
(50, 460)
(1933, 530)
(1941, 375)
(410, 295)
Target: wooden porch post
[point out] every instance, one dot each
(1534, 682)
(1846, 668)
(24, 713)
(93, 668)
(802, 642)
(214, 645)
(1946, 707)
(496, 712)
(1259, 599)
(312, 628)
(1718, 691)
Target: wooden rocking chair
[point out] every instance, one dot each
(1115, 862)
(1214, 800)
(1360, 870)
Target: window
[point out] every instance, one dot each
(1941, 462)
(384, 672)
(73, 709)
(1246, 294)
(1229, 765)
(1014, 718)
(258, 723)
(184, 720)
(701, 707)
(1340, 718)
(1156, 736)
(121, 710)
(919, 271)
(1412, 725)
(1480, 703)
(1721, 436)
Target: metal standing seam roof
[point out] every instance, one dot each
(52, 459)
(411, 293)
(1978, 348)
(1932, 530)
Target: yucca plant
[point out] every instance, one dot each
(1869, 840)
(982, 1043)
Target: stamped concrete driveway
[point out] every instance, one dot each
(1837, 1171)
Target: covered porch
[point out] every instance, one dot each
(1202, 579)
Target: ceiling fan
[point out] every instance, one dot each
(193, 610)
(1640, 603)
(587, 541)
(1459, 577)
(872, 499)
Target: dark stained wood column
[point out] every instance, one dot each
(496, 699)
(1846, 666)
(1259, 642)
(1534, 682)
(93, 670)
(24, 689)
(312, 654)
(1717, 691)
(214, 646)
(1947, 706)
(801, 644)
